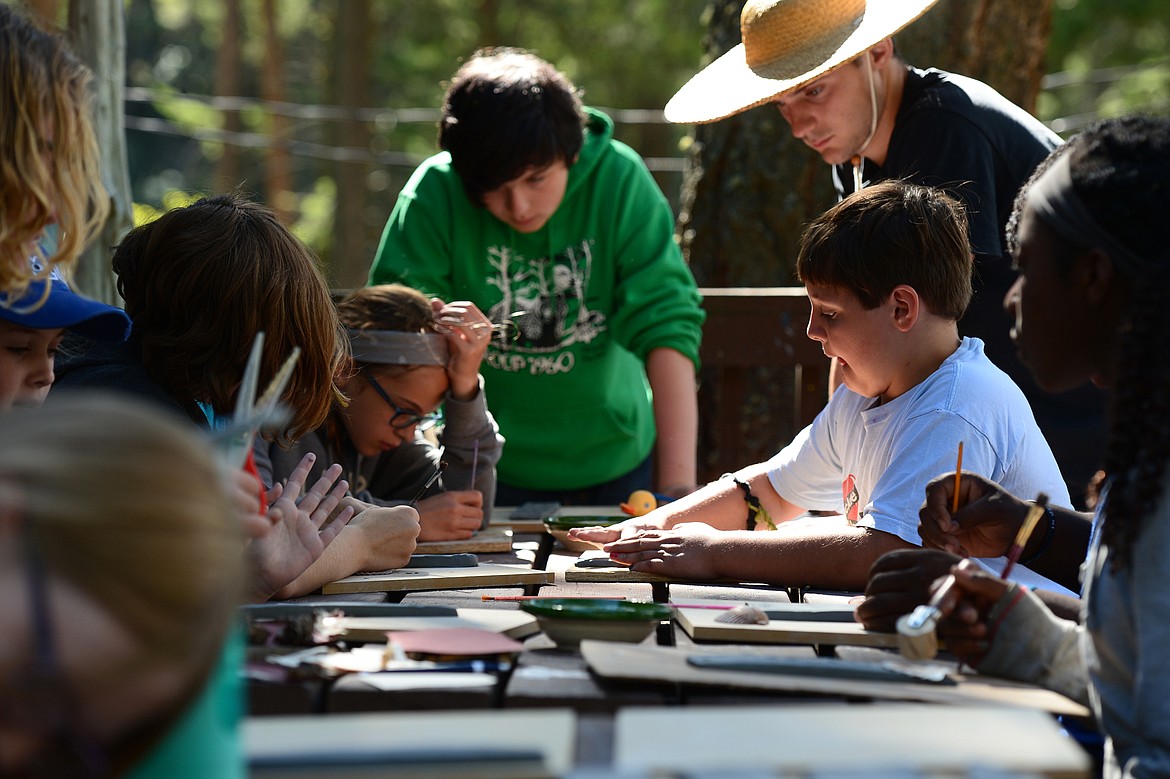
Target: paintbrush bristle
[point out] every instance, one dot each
(917, 639)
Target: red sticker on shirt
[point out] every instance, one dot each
(849, 497)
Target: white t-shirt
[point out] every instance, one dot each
(872, 461)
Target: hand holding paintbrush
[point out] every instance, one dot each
(917, 638)
(1034, 513)
(429, 483)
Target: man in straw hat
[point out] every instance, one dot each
(831, 68)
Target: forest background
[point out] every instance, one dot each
(322, 108)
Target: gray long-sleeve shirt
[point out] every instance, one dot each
(394, 477)
(1116, 661)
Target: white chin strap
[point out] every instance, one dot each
(857, 160)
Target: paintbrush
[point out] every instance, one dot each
(917, 639)
(916, 630)
(1017, 547)
(474, 461)
(434, 478)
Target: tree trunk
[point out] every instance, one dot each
(99, 35)
(488, 15)
(229, 167)
(278, 185)
(750, 187)
(999, 42)
(46, 10)
(353, 247)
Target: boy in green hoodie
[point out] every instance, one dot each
(538, 216)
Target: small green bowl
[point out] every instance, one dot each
(569, 620)
(559, 527)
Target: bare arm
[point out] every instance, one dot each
(719, 504)
(378, 538)
(815, 552)
(302, 527)
(676, 415)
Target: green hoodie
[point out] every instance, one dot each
(599, 286)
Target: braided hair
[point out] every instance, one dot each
(1120, 169)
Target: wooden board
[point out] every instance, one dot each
(502, 517)
(494, 539)
(700, 625)
(886, 739)
(419, 579)
(669, 665)
(515, 623)
(827, 597)
(324, 744)
(584, 571)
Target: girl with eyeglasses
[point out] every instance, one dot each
(415, 399)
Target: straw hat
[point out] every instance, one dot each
(786, 44)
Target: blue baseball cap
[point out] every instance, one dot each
(65, 308)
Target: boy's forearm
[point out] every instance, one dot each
(835, 558)
(722, 504)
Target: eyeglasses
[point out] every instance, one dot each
(402, 418)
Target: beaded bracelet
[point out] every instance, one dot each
(756, 511)
(1047, 542)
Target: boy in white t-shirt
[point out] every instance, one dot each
(888, 274)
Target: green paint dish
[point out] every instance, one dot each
(567, 523)
(569, 620)
(559, 527)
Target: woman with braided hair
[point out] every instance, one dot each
(1090, 304)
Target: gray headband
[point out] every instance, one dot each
(1058, 205)
(395, 347)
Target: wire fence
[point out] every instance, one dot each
(385, 120)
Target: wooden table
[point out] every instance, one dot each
(845, 739)
(420, 579)
(464, 745)
(547, 678)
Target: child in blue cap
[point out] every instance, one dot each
(31, 328)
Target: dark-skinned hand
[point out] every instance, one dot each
(985, 524)
(963, 626)
(898, 582)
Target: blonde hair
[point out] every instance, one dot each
(50, 168)
(124, 503)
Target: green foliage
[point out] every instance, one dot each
(175, 198)
(625, 55)
(1106, 59)
(315, 224)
